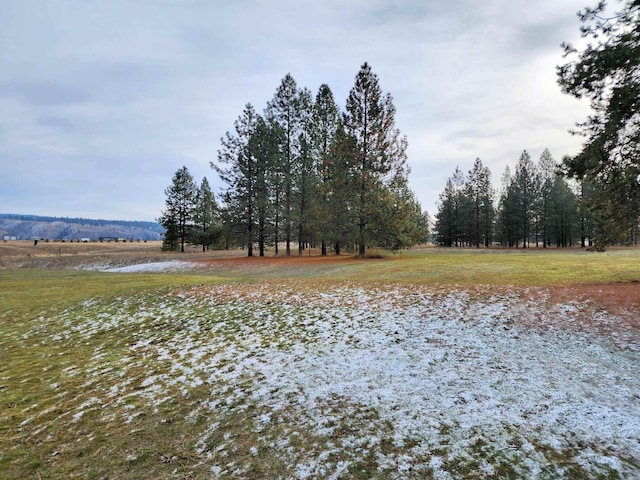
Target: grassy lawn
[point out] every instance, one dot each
(504, 267)
(452, 266)
(301, 369)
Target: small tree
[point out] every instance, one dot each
(205, 216)
(178, 216)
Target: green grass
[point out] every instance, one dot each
(468, 267)
(32, 291)
(503, 267)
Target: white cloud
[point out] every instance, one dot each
(133, 91)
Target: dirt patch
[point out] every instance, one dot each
(620, 299)
(306, 261)
(65, 255)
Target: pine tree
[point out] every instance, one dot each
(284, 111)
(306, 179)
(480, 201)
(404, 224)
(547, 172)
(205, 216)
(525, 195)
(607, 72)
(508, 222)
(564, 213)
(380, 152)
(341, 193)
(263, 146)
(240, 176)
(452, 219)
(178, 215)
(325, 125)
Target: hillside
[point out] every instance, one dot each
(53, 228)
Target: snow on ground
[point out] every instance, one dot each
(412, 380)
(165, 266)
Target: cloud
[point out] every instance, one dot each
(107, 100)
(36, 93)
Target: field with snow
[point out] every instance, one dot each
(310, 379)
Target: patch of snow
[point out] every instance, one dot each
(167, 266)
(404, 375)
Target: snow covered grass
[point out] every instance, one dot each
(166, 266)
(145, 267)
(296, 380)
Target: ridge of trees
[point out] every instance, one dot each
(154, 226)
(305, 172)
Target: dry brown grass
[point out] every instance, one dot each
(60, 255)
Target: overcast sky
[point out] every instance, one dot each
(102, 101)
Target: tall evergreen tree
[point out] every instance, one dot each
(480, 201)
(525, 195)
(508, 211)
(453, 212)
(589, 223)
(264, 148)
(306, 175)
(341, 193)
(547, 172)
(607, 71)
(325, 125)
(179, 210)
(564, 213)
(284, 110)
(240, 176)
(379, 151)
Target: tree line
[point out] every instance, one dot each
(303, 173)
(536, 205)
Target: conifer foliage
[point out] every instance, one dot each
(190, 214)
(305, 173)
(536, 206)
(607, 72)
(379, 153)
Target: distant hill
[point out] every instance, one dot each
(54, 228)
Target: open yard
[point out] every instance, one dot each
(124, 362)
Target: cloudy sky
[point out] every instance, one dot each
(102, 101)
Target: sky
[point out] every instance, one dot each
(101, 102)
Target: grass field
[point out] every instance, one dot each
(427, 364)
